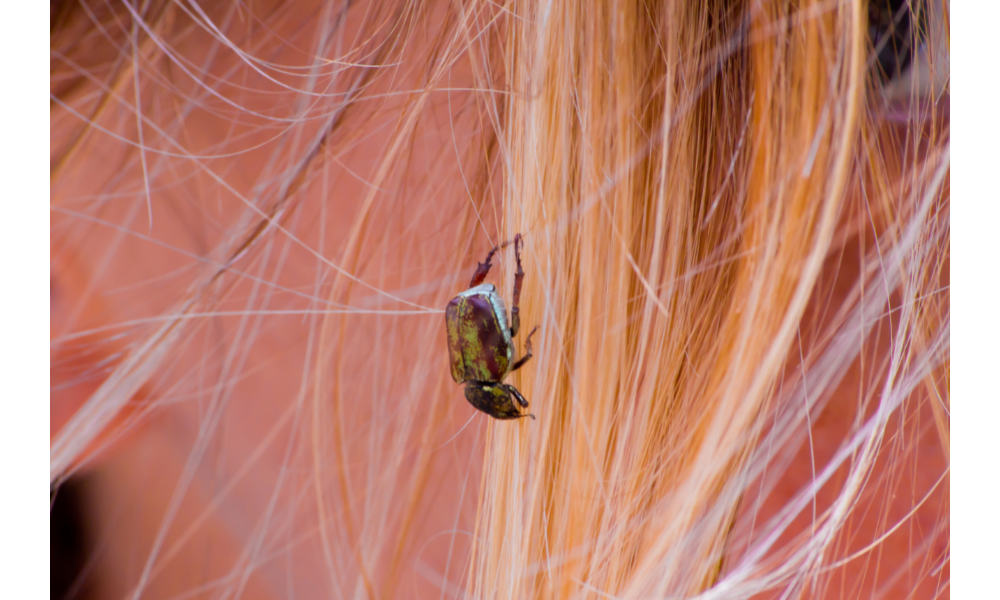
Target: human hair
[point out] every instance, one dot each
(735, 225)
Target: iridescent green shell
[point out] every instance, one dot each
(479, 344)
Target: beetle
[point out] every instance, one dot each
(480, 344)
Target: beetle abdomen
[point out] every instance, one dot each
(479, 345)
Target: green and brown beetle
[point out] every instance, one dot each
(480, 344)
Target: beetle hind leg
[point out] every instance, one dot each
(515, 309)
(483, 269)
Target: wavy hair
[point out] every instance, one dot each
(736, 227)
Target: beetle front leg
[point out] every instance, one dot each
(527, 353)
(520, 399)
(516, 394)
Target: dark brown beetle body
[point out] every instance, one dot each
(480, 346)
(479, 341)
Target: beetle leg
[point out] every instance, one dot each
(520, 400)
(484, 267)
(515, 310)
(517, 395)
(527, 352)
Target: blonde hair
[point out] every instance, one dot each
(730, 249)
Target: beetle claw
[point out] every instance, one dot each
(484, 267)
